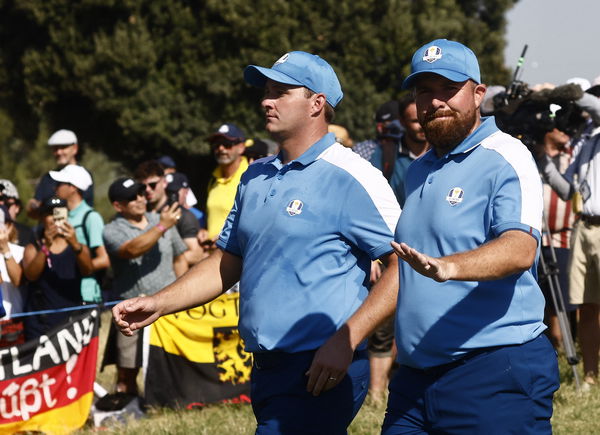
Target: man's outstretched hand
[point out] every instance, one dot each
(434, 268)
(134, 314)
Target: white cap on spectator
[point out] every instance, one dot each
(596, 81)
(62, 137)
(584, 84)
(73, 174)
(7, 188)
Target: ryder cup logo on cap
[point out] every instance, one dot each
(299, 68)
(432, 54)
(449, 59)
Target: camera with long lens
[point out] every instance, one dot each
(529, 115)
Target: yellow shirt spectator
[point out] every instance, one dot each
(221, 194)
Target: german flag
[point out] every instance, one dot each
(196, 357)
(47, 384)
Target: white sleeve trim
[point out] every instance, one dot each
(370, 178)
(518, 156)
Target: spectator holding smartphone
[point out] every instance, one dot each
(147, 254)
(71, 183)
(54, 266)
(151, 174)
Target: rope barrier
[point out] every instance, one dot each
(62, 310)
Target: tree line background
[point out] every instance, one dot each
(137, 79)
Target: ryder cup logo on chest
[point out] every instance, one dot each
(455, 196)
(294, 207)
(432, 54)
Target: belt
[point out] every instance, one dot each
(441, 369)
(590, 220)
(272, 359)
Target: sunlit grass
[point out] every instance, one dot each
(574, 412)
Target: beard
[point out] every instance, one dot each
(445, 134)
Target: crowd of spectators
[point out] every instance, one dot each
(72, 257)
(159, 230)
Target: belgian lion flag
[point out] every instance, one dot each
(46, 384)
(197, 357)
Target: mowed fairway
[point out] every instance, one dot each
(574, 413)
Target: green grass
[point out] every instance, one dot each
(574, 413)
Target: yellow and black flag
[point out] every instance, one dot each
(196, 357)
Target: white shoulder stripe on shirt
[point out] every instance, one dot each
(368, 177)
(521, 160)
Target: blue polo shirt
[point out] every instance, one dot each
(307, 232)
(487, 185)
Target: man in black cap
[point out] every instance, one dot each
(384, 116)
(146, 254)
(177, 191)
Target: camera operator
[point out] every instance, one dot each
(583, 177)
(558, 225)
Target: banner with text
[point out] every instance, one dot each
(47, 384)
(197, 357)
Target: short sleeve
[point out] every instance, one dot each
(228, 240)
(95, 225)
(370, 216)
(188, 225)
(114, 238)
(517, 202)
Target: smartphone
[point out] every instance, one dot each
(59, 214)
(172, 197)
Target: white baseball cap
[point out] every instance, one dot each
(62, 137)
(73, 174)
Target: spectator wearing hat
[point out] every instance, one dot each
(146, 254)
(151, 175)
(177, 190)
(54, 266)
(385, 114)
(406, 139)
(258, 148)
(299, 239)
(72, 181)
(170, 167)
(11, 277)
(66, 151)
(228, 146)
(9, 196)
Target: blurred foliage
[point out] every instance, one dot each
(136, 79)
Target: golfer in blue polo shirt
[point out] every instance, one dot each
(469, 315)
(300, 238)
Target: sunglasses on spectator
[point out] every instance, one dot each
(135, 197)
(227, 145)
(150, 185)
